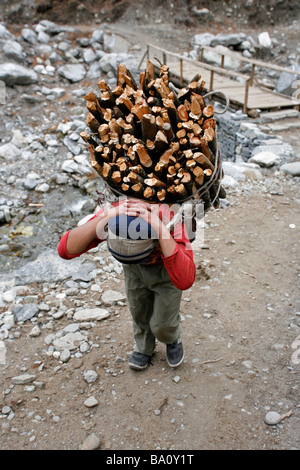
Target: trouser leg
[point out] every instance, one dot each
(165, 319)
(141, 301)
(154, 304)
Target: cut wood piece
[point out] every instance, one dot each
(183, 94)
(124, 103)
(161, 195)
(198, 175)
(149, 193)
(148, 124)
(88, 138)
(106, 173)
(210, 122)
(197, 129)
(134, 178)
(131, 154)
(181, 133)
(208, 111)
(155, 183)
(150, 75)
(182, 113)
(121, 72)
(137, 189)
(200, 158)
(115, 127)
(161, 88)
(209, 134)
(117, 91)
(143, 155)
(180, 190)
(161, 142)
(140, 108)
(116, 177)
(125, 187)
(142, 81)
(195, 142)
(205, 148)
(167, 129)
(95, 109)
(94, 163)
(92, 123)
(196, 107)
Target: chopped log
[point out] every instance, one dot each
(137, 189)
(161, 142)
(140, 108)
(181, 191)
(182, 113)
(161, 195)
(167, 129)
(150, 71)
(92, 123)
(143, 155)
(199, 175)
(135, 178)
(155, 183)
(195, 106)
(148, 123)
(106, 170)
(149, 193)
(208, 111)
(205, 148)
(210, 122)
(209, 134)
(116, 177)
(200, 158)
(95, 109)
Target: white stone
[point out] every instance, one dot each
(91, 314)
(265, 159)
(292, 168)
(69, 341)
(264, 40)
(23, 379)
(272, 418)
(111, 296)
(9, 151)
(91, 402)
(90, 376)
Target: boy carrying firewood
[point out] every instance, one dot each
(158, 265)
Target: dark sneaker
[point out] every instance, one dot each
(175, 353)
(139, 361)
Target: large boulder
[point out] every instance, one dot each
(14, 74)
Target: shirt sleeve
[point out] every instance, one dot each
(180, 265)
(62, 246)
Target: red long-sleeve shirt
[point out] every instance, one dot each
(180, 265)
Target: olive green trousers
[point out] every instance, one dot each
(154, 304)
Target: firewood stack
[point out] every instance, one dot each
(153, 142)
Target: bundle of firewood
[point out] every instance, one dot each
(152, 141)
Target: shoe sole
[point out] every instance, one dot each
(177, 364)
(137, 367)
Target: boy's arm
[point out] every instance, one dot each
(86, 236)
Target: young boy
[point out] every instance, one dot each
(153, 286)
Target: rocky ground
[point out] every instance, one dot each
(65, 327)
